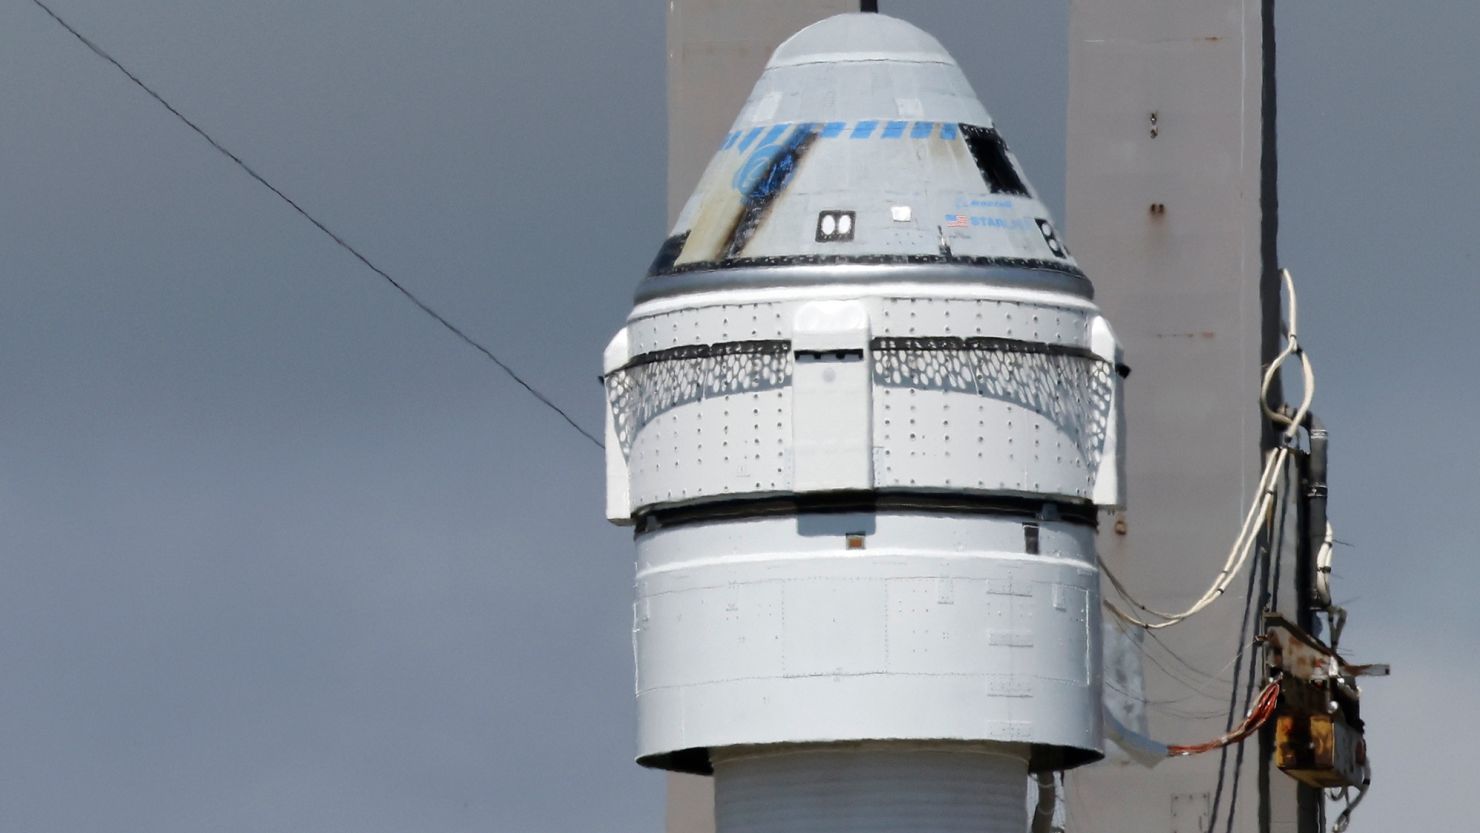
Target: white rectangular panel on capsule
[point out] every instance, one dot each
(832, 388)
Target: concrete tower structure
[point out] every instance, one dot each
(1171, 197)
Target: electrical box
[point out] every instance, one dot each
(1320, 751)
(1318, 732)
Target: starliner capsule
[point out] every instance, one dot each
(864, 417)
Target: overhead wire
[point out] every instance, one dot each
(330, 233)
(1163, 706)
(1195, 671)
(1195, 689)
(1156, 638)
(1193, 685)
(1160, 643)
(1233, 699)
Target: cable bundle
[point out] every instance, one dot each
(1274, 466)
(1263, 710)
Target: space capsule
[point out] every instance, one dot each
(864, 417)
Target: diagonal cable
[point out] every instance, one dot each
(332, 235)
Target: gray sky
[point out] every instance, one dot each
(277, 553)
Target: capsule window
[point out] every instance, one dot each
(990, 153)
(835, 226)
(1051, 237)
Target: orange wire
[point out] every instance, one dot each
(1264, 708)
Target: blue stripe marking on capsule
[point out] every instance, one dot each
(730, 141)
(893, 130)
(749, 138)
(864, 129)
(833, 129)
(922, 130)
(804, 128)
(774, 133)
(948, 131)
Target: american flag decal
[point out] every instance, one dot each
(957, 221)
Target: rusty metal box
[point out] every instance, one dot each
(1320, 751)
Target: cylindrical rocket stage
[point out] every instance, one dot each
(891, 622)
(871, 788)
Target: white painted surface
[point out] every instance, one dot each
(776, 630)
(976, 421)
(832, 392)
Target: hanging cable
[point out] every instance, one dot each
(1162, 706)
(1196, 688)
(1259, 575)
(1148, 752)
(1346, 814)
(1264, 493)
(332, 235)
(1260, 714)
(1237, 557)
(1156, 638)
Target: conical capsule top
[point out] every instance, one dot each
(862, 145)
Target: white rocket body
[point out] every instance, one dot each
(863, 417)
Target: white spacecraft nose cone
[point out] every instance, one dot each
(863, 145)
(859, 37)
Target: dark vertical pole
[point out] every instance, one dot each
(1310, 808)
(1269, 211)
(868, 5)
(1269, 198)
